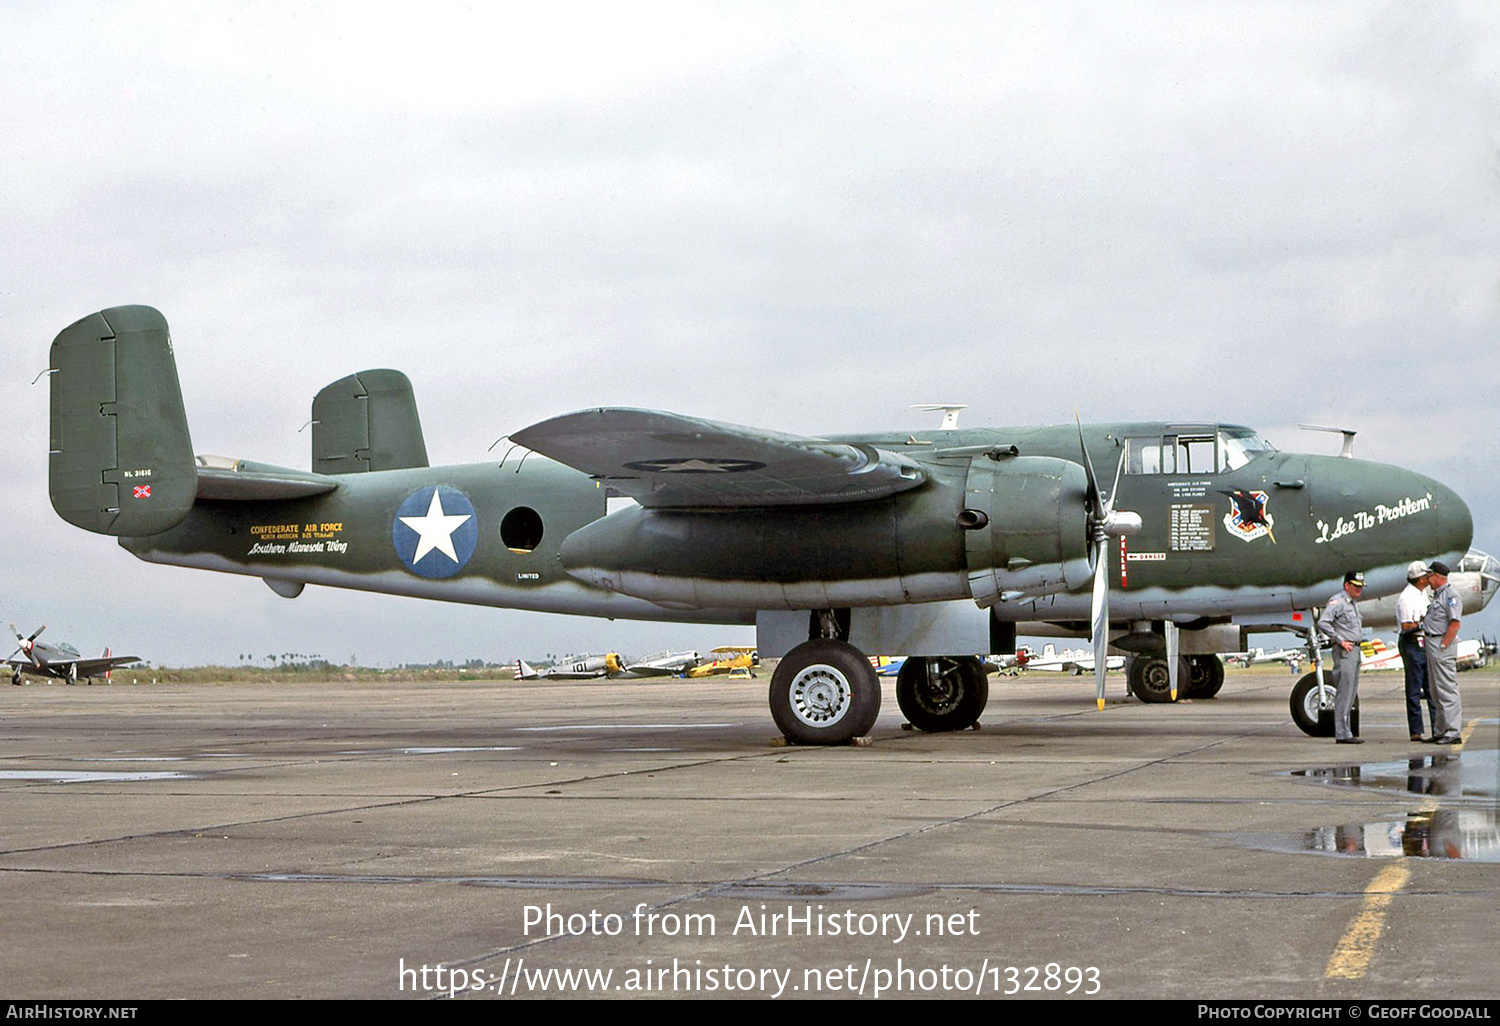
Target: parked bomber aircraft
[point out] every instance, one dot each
(58, 659)
(934, 544)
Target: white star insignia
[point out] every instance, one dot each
(435, 530)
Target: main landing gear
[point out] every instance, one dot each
(941, 693)
(1198, 676)
(825, 692)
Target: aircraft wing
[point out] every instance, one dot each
(94, 667)
(666, 460)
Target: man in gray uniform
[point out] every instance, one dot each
(1342, 625)
(1440, 627)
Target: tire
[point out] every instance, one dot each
(1311, 720)
(942, 693)
(1150, 681)
(824, 693)
(1205, 676)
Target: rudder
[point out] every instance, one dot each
(367, 421)
(120, 461)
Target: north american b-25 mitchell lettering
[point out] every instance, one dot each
(935, 544)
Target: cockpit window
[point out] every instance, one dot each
(1207, 452)
(1238, 446)
(1195, 454)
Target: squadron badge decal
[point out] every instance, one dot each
(435, 531)
(1247, 518)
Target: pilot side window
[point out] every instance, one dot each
(1172, 454)
(1195, 454)
(1143, 455)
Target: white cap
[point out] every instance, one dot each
(1416, 570)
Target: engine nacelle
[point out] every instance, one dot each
(1017, 525)
(1028, 527)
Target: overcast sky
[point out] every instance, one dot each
(803, 217)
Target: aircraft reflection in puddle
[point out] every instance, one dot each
(1467, 831)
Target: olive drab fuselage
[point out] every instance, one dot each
(1312, 518)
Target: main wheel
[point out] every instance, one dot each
(939, 693)
(1205, 676)
(824, 693)
(1307, 713)
(1150, 680)
(15, 677)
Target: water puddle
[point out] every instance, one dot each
(426, 751)
(1463, 775)
(1457, 819)
(83, 776)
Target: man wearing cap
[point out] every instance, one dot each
(1342, 625)
(1440, 629)
(1411, 606)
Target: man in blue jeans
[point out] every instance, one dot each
(1411, 606)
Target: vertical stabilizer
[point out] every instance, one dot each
(367, 421)
(121, 461)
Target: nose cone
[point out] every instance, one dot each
(1454, 527)
(1372, 514)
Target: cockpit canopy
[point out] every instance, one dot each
(1194, 449)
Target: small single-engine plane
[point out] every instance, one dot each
(663, 664)
(579, 667)
(58, 659)
(1076, 661)
(727, 658)
(935, 544)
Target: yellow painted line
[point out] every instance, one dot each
(1355, 949)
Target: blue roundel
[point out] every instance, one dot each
(435, 531)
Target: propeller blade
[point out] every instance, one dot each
(36, 633)
(1095, 500)
(1114, 490)
(1100, 620)
(1169, 631)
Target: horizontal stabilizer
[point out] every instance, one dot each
(121, 461)
(243, 481)
(665, 460)
(367, 421)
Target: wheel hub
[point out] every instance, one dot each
(1312, 703)
(820, 695)
(941, 691)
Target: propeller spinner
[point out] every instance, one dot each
(24, 644)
